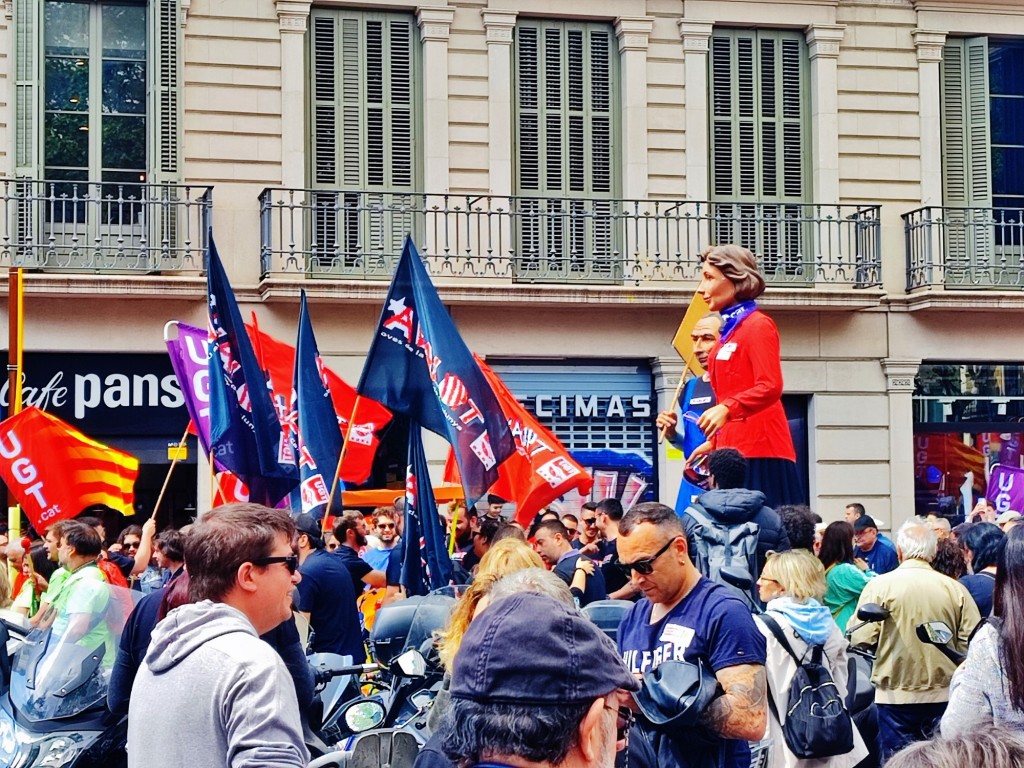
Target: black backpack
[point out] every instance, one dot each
(817, 723)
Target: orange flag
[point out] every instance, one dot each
(540, 471)
(54, 471)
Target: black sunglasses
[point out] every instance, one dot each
(645, 567)
(590, 520)
(291, 562)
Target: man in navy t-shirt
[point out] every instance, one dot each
(684, 616)
(325, 595)
(878, 551)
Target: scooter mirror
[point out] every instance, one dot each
(363, 715)
(934, 632)
(872, 612)
(411, 664)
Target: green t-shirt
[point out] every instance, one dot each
(85, 592)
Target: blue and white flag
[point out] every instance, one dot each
(246, 436)
(418, 365)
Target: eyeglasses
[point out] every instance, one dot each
(385, 525)
(624, 721)
(131, 545)
(291, 562)
(645, 567)
(590, 520)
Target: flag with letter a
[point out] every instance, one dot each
(418, 365)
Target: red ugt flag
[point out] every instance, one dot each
(54, 471)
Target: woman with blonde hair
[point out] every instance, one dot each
(792, 585)
(504, 557)
(746, 376)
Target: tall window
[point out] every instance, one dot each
(983, 158)
(94, 124)
(566, 172)
(97, 115)
(365, 121)
(86, 76)
(759, 148)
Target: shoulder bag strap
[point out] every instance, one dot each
(775, 629)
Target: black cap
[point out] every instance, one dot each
(864, 521)
(492, 499)
(571, 660)
(309, 525)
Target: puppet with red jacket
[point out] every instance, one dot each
(746, 376)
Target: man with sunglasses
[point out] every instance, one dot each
(685, 617)
(588, 538)
(325, 595)
(210, 693)
(386, 527)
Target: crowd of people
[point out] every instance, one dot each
(729, 601)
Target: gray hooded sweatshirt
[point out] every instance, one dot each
(211, 694)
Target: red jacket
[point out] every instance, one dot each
(746, 375)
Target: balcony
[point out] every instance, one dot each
(97, 227)
(965, 248)
(358, 235)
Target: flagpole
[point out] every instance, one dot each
(341, 458)
(16, 338)
(167, 479)
(455, 522)
(675, 397)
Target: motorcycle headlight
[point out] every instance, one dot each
(59, 750)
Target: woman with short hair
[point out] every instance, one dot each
(844, 579)
(982, 543)
(792, 584)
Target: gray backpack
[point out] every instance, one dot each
(714, 545)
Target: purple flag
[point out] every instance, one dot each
(189, 357)
(1006, 488)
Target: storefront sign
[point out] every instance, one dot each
(104, 394)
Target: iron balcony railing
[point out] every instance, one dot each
(359, 234)
(78, 226)
(965, 248)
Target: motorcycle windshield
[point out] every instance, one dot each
(431, 616)
(63, 667)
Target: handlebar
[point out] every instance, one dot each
(323, 675)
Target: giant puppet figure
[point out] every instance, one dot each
(746, 376)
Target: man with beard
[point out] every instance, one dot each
(350, 531)
(386, 526)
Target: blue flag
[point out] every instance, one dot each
(418, 365)
(246, 436)
(426, 564)
(319, 433)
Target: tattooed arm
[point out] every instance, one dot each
(742, 712)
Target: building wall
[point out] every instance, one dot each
(245, 87)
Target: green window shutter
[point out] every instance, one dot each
(27, 49)
(364, 106)
(165, 106)
(565, 115)
(759, 89)
(966, 148)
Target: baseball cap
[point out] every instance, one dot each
(864, 521)
(308, 525)
(571, 660)
(1008, 517)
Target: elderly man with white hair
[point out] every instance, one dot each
(911, 680)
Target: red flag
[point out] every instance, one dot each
(278, 360)
(54, 471)
(540, 470)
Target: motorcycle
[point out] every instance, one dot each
(389, 724)
(53, 712)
